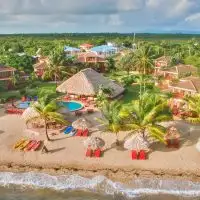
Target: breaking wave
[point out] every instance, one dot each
(101, 184)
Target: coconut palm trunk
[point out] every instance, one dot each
(46, 130)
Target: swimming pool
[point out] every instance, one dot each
(23, 105)
(72, 105)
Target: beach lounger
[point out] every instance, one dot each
(89, 152)
(79, 132)
(134, 155)
(20, 142)
(97, 153)
(68, 129)
(72, 133)
(85, 133)
(142, 155)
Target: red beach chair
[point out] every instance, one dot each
(79, 132)
(134, 155)
(85, 133)
(89, 152)
(142, 155)
(97, 153)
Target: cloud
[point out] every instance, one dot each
(98, 16)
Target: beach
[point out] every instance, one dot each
(67, 155)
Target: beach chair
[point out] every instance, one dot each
(134, 155)
(79, 132)
(35, 98)
(97, 153)
(72, 133)
(176, 143)
(85, 133)
(90, 110)
(68, 129)
(142, 155)
(89, 152)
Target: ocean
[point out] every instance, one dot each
(40, 186)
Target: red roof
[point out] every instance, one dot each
(86, 45)
(6, 68)
(83, 56)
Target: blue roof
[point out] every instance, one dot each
(104, 48)
(68, 48)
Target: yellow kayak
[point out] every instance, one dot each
(23, 145)
(19, 143)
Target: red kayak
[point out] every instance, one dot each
(30, 145)
(36, 146)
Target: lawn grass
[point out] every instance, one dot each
(36, 90)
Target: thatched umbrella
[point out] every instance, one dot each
(137, 142)
(29, 114)
(81, 123)
(94, 142)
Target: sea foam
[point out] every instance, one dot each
(101, 184)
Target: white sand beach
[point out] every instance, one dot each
(69, 153)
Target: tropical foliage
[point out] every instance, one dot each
(193, 103)
(144, 116)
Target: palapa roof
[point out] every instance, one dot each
(6, 68)
(87, 82)
(163, 59)
(189, 83)
(181, 69)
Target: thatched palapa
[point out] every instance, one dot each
(87, 82)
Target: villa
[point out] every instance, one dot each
(161, 62)
(105, 50)
(6, 74)
(86, 46)
(40, 66)
(87, 83)
(178, 71)
(186, 86)
(71, 51)
(93, 59)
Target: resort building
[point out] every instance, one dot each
(71, 51)
(178, 71)
(161, 62)
(86, 46)
(87, 82)
(105, 50)
(41, 64)
(6, 74)
(92, 59)
(186, 86)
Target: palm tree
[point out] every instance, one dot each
(194, 107)
(112, 121)
(145, 114)
(47, 111)
(127, 62)
(56, 68)
(143, 60)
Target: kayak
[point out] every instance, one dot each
(23, 145)
(30, 145)
(36, 146)
(19, 143)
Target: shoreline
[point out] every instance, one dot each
(119, 174)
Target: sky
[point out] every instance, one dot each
(124, 16)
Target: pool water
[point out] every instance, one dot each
(23, 105)
(72, 105)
